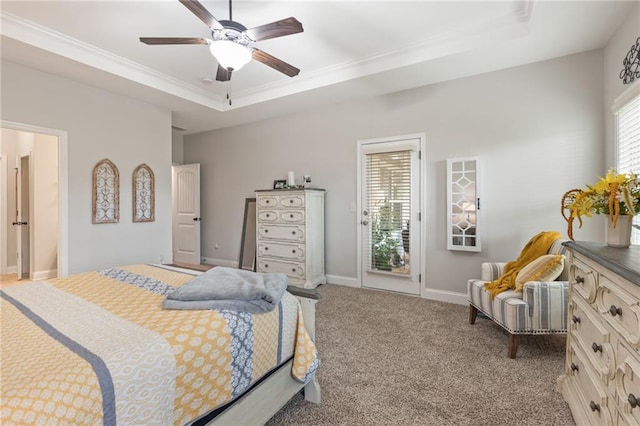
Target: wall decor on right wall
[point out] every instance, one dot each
(144, 198)
(106, 193)
(631, 63)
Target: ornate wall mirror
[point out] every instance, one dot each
(248, 242)
(143, 191)
(106, 193)
(463, 204)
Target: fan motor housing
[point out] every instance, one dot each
(233, 31)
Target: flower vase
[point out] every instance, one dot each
(620, 236)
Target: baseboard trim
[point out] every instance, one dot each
(44, 275)
(220, 262)
(12, 270)
(446, 296)
(345, 281)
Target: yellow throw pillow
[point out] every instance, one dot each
(544, 268)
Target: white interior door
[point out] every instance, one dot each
(389, 186)
(186, 213)
(22, 217)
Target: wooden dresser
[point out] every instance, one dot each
(290, 234)
(601, 380)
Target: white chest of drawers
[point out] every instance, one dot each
(290, 235)
(601, 381)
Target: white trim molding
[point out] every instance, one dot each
(344, 281)
(446, 296)
(219, 262)
(44, 275)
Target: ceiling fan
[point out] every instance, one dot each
(232, 43)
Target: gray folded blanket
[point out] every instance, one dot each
(229, 288)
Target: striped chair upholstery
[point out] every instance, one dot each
(541, 308)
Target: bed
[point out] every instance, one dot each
(98, 348)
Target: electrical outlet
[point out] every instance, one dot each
(203, 261)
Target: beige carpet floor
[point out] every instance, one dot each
(389, 359)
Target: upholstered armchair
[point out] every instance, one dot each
(541, 308)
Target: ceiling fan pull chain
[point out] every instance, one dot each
(230, 16)
(229, 91)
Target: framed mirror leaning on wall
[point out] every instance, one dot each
(248, 241)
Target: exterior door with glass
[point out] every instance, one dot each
(390, 226)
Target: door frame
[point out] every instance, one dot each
(63, 188)
(3, 214)
(422, 173)
(20, 197)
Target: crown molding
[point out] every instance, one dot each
(515, 24)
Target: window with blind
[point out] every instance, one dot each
(388, 192)
(627, 119)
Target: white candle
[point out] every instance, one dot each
(291, 179)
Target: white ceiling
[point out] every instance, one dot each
(349, 49)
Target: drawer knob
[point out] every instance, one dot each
(266, 265)
(291, 201)
(574, 367)
(613, 310)
(596, 347)
(579, 279)
(266, 230)
(291, 216)
(594, 406)
(268, 215)
(293, 251)
(293, 232)
(293, 269)
(633, 401)
(266, 248)
(267, 201)
(575, 319)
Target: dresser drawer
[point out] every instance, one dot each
(287, 251)
(279, 232)
(272, 201)
(620, 309)
(292, 216)
(583, 280)
(593, 338)
(290, 269)
(628, 387)
(268, 215)
(592, 398)
(294, 200)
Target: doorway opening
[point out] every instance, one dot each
(34, 175)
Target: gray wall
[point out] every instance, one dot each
(538, 130)
(99, 124)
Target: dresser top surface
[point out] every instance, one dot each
(622, 261)
(289, 190)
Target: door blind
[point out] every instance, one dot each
(628, 147)
(388, 204)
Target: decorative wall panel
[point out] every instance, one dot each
(143, 194)
(106, 193)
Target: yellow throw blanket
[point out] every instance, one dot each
(536, 247)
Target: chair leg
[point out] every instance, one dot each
(512, 347)
(473, 314)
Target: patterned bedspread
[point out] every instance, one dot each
(98, 348)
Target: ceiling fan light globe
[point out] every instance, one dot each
(230, 55)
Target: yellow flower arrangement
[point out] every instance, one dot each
(614, 195)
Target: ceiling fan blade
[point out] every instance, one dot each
(274, 63)
(275, 29)
(223, 74)
(201, 12)
(175, 40)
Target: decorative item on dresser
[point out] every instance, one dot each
(601, 380)
(290, 234)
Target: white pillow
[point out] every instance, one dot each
(545, 268)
